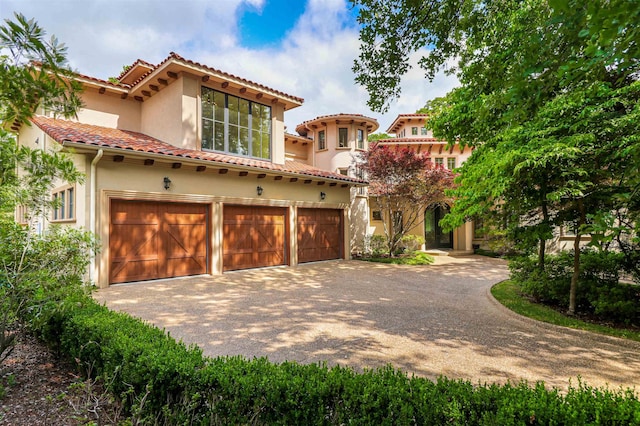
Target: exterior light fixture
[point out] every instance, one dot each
(167, 183)
(323, 196)
(259, 190)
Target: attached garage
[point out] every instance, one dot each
(254, 236)
(150, 240)
(320, 235)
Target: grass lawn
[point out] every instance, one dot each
(508, 293)
(417, 258)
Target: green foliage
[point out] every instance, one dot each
(33, 72)
(414, 258)
(161, 381)
(375, 245)
(600, 292)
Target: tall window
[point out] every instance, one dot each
(414, 131)
(360, 139)
(64, 204)
(235, 125)
(451, 163)
(343, 137)
(322, 140)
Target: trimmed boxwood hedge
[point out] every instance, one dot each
(165, 382)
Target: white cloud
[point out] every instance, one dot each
(314, 61)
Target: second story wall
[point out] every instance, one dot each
(110, 110)
(171, 114)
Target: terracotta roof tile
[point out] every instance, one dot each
(175, 56)
(64, 131)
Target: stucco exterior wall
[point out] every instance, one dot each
(110, 110)
(122, 180)
(162, 115)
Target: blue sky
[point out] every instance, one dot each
(267, 26)
(305, 48)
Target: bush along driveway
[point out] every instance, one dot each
(428, 320)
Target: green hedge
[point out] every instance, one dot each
(163, 381)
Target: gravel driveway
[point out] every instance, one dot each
(426, 320)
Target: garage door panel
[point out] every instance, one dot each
(320, 234)
(150, 240)
(253, 237)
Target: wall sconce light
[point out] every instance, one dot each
(323, 196)
(167, 183)
(259, 190)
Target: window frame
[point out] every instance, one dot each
(322, 140)
(346, 137)
(251, 130)
(360, 139)
(66, 210)
(451, 160)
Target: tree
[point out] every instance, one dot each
(546, 98)
(33, 73)
(36, 268)
(377, 136)
(403, 184)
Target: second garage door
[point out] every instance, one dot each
(254, 237)
(319, 235)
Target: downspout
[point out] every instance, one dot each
(93, 187)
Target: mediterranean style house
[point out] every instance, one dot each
(410, 131)
(189, 171)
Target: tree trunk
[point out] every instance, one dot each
(576, 261)
(545, 221)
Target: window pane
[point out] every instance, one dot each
(244, 141)
(70, 203)
(244, 113)
(414, 131)
(256, 116)
(219, 136)
(62, 216)
(234, 108)
(218, 99)
(234, 145)
(342, 137)
(207, 134)
(256, 143)
(207, 103)
(266, 145)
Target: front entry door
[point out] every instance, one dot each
(434, 236)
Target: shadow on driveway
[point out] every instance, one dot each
(426, 320)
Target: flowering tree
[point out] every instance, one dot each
(403, 184)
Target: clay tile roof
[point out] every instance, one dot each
(175, 56)
(410, 140)
(300, 128)
(139, 61)
(71, 132)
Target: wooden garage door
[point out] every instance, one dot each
(254, 237)
(319, 235)
(149, 240)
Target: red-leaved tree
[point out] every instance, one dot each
(402, 185)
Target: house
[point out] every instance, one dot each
(189, 171)
(336, 141)
(410, 131)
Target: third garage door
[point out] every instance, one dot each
(254, 236)
(319, 234)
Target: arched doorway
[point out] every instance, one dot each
(434, 236)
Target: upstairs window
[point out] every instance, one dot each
(414, 131)
(234, 125)
(423, 131)
(451, 163)
(360, 139)
(439, 161)
(322, 140)
(343, 137)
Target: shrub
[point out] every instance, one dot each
(410, 243)
(599, 291)
(376, 245)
